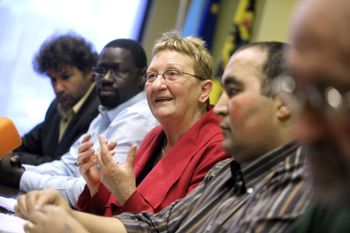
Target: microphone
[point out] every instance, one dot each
(9, 136)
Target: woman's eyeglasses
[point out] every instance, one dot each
(169, 76)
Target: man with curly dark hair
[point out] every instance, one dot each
(68, 61)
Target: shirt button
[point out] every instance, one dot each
(250, 190)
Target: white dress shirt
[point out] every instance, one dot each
(127, 124)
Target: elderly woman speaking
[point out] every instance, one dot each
(175, 156)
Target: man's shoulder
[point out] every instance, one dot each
(91, 103)
(140, 105)
(139, 109)
(219, 169)
(52, 109)
(138, 113)
(321, 218)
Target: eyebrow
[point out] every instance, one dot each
(167, 67)
(108, 64)
(231, 80)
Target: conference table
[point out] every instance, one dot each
(8, 221)
(7, 192)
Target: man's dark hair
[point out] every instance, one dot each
(137, 52)
(67, 49)
(275, 65)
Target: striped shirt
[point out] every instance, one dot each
(263, 195)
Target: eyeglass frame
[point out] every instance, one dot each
(329, 100)
(117, 73)
(180, 73)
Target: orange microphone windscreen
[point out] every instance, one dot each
(9, 137)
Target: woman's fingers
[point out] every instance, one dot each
(105, 156)
(131, 156)
(84, 146)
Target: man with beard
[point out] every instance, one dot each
(68, 61)
(320, 60)
(124, 117)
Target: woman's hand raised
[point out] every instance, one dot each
(119, 179)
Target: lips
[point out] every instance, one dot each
(62, 98)
(107, 91)
(162, 99)
(224, 129)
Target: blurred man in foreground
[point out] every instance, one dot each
(320, 61)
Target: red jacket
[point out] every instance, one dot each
(175, 175)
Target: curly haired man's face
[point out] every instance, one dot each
(69, 84)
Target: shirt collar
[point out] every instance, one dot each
(251, 172)
(82, 100)
(75, 109)
(112, 113)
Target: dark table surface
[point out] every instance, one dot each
(8, 191)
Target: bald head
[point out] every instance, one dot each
(320, 35)
(326, 18)
(319, 58)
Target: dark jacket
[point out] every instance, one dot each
(41, 143)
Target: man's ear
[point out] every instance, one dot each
(283, 110)
(141, 78)
(206, 87)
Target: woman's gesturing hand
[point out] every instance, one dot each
(87, 163)
(118, 178)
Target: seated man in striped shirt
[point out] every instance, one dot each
(261, 189)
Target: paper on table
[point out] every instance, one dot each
(11, 224)
(8, 203)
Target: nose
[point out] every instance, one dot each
(59, 86)
(311, 125)
(221, 108)
(159, 82)
(108, 76)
